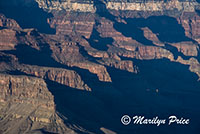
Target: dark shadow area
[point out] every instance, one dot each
(66, 100)
(162, 88)
(175, 52)
(198, 55)
(27, 14)
(17, 72)
(166, 28)
(46, 132)
(80, 107)
(133, 30)
(198, 12)
(1, 28)
(102, 11)
(41, 131)
(98, 42)
(130, 29)
(28, 55)
(133, 94)
(86, 55)
(5, 58)
(31, 56)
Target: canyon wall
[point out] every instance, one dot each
(43, 76)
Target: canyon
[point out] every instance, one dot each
(76, 66)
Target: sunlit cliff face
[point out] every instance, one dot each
(76, 67)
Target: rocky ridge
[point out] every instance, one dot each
(88, 5)
(26, 100)
(38, 69)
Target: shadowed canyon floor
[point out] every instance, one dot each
(76, 67)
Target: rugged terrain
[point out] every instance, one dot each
(77, 66)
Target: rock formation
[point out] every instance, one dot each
(101, 54)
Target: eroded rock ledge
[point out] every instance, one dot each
(88, 5)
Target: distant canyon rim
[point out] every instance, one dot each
(77, 66)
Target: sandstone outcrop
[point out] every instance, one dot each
(63, 76)
(81, 6)
(190, 22)
(45, 78)
(28, 101)
(8, 23)
(188, 6)
(8, 39)
(88, 6)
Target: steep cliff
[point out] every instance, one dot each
(72, 66)
(63, 76)
(88, 5)
(27, 101)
